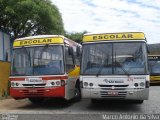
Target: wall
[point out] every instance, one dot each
(4, 79)
(5, 52)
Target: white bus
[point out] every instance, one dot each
(114, 66)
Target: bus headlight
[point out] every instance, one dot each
(91, 84)
(136, 84)
(142, 84)
(17, 84)
(58, 83)
(85, 84)
(12, 84)
(52, 83)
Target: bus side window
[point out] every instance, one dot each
(69, 60)
(77, 61)
(78, 56)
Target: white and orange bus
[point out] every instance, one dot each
(45, 66)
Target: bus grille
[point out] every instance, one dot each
(121, 94)
(33, 92)
(42, 85)
(113, 85)
(112, 89)
(119, 89)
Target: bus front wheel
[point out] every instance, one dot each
(36, 100)
(94, 101)
(77, 93)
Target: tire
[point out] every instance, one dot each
(77, 94)
(94, 101)
(138, 101)
(36, 100)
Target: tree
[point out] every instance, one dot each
(77, 36)
(30, 17)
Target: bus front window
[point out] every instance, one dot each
(97, 59)
(154, 65)
(21, 62)
(48, 60)
(40, 60)
(114, 58)
(129, 58)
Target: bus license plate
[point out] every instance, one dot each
(34, 80)
(113, 93)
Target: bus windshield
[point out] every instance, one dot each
(154, 65)
(114, 58)
(39, 60)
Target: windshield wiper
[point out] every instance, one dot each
(101, 67)
(116, 63)
(119, 65)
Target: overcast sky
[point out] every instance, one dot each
(112, 16)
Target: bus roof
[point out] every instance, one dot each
(94, 37)
(39, 36)
(42, 40)
(39, 40)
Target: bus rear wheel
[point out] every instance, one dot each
(36, 100)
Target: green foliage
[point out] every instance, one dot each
(77, 36)
(30, 17)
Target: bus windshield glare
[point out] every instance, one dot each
(40, 60)
(114, 58)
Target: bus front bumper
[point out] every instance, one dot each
(130, 94)
(19, 93)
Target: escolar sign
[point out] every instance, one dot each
(39, 41)
(114, 36)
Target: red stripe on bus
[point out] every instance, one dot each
(17, 79)
(55, 78)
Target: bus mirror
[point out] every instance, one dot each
(78, 51)
(70, 51)
(148, 50)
